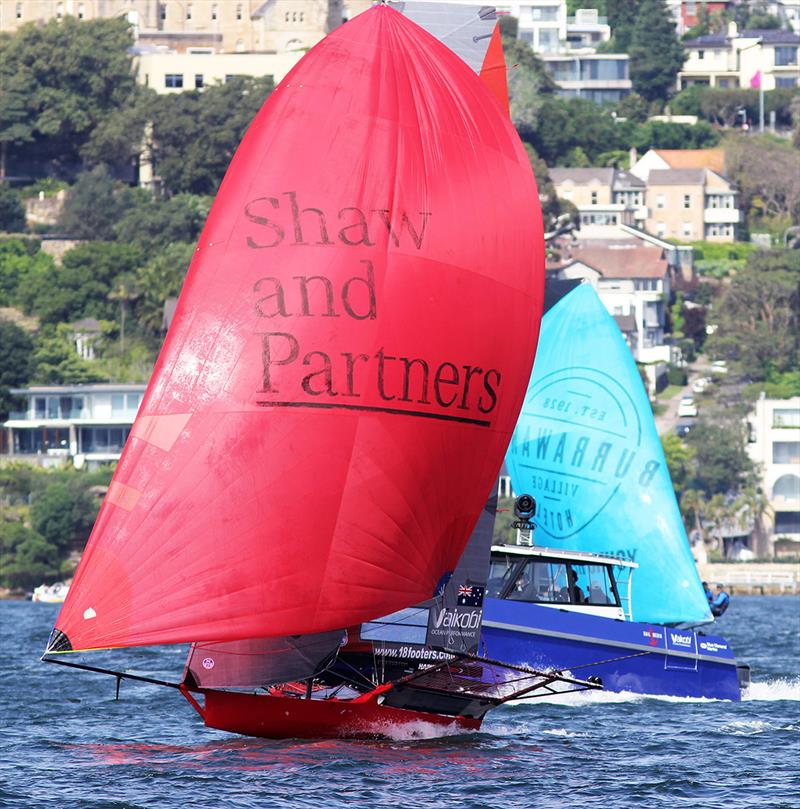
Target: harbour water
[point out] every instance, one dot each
(66, 742)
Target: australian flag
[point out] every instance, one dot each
(469, 595)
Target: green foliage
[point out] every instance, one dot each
(162, 278)
(721, 463)
(621, 18)
(58, 83)
(26, 558)
(154, 223)
(195, 134)
(63, 514)
(56, 362)
(758, 315)
(14, 363)
(778, 385)
(93, 206)
(676, 313)
(80, 287)
(723, 106)
(529, 87)
(633, 107)
(656, 55)
(720, 251)
(12, 211)
(509, 26)
(767, 170)
(679, 458)
(676, 375)
(669, 135)
(17, 257)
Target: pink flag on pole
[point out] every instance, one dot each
(755, 82)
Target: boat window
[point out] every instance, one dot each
(594, 585)
(500, 570)
(541, 582)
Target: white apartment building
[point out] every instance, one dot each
(87, 424)
(774, 444)
(742, 59)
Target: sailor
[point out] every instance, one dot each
(578, 596)
(708, 591)
(720, 602)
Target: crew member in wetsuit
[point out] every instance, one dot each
(709, 592)
(720, 602)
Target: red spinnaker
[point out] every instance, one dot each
(346, 363)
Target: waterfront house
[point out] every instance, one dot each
(85, 424)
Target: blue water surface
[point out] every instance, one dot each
(65, 741)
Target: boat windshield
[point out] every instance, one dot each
(543, 581)
(501, 572)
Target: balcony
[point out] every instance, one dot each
(721, 216)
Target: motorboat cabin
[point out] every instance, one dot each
(568, 580)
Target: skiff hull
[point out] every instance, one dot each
(281, 717)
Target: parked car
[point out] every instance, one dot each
(719, 367)
(687, 407)
(701, 384)
(683, 427)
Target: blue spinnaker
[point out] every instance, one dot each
(586, 448)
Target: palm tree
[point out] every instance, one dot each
(125, 290)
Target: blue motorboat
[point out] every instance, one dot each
(550, 608)
(586, 448)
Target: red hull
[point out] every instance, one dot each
(278, 717)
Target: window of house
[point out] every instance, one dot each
(81, 11)
(660, 200)
(548, 39)
(59, 10)
(786, 452)
(786, 81)
(214, 12)
(189, 11)
(163, 11)
(117, 404)
(52, 407)
(701, 54)
(687, 201)
(594, 197)
(173, 80)
(786, 55)
(687, 229)
(198, 81)
(300, 16)
(238, 12)
(40, 407)
(785, 417)
(132, 401)
(19, 11)
(661, 229)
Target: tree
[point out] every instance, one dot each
(63, 514)
(656, 55)
(56, 362)
(679, 458)
(93, 206)
(155, 223)
(162, 278)
(633, 107)
(768, 173)
(195, 134)
(12, 211)
(26, 558)
(721, 463)
(757, 318)
(621, 17)
(59, 81)
(14, 362)
(80, 287)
